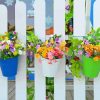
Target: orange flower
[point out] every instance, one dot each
(37, 55)
(66, 49)
(96, 58)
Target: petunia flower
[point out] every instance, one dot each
(88, 55)
(80, 52)
(67, 7)
(38, 46)
(50, 56)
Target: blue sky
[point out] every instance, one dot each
(11, 11)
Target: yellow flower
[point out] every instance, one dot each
(50, 48)
(6, 38)
(7, 46)
(37, 55)
(46, 42)
(17, 45)
(39, 49)
(15, 53)
(63, 43)
(44, 54)
(6, 32)
(52, 41)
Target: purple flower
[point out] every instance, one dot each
(3, 47)
(48, 44)
(80, 52)
(31, 44)
(38, 46)
(67, 7)
(57, 40)
(86, 42)
(31, 53)
(11, 45)
(88, 55)
(28, 53)
(12, 49)
(14, 32)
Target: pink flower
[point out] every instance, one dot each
(88, 55)
(80, 52)
(86, 42)
(50, 55)
(14, 32)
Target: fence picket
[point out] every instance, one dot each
(79, 18)
(59, 28)
(20, 27)
(39, 26)
(96, 25)
(79, 30)
(3, 28)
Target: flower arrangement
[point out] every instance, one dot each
(51, 49)
(91, 45)
(83, 52)
(10, 46)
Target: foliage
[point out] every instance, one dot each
(30, 90)
(10, 46)
(75, 60)
(50, 88)
(32, 41)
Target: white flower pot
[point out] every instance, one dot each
(50, 70)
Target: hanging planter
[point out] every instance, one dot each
(50, 69)
(10, 49)
(91, 68)
(89, 50)
(9, 66)
(51, 53)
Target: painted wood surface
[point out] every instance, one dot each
(3, 29)
(20, 27)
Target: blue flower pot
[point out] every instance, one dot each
(9, 66)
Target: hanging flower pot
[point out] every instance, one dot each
(91, 68)
(10, 49)
(50, 69)
(9, 66)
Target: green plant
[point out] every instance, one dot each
(75, 60)
(30, 90)
(32, 41)
(50, 88)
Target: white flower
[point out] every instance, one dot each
(8, 41)
(20, 52)
(22, 45)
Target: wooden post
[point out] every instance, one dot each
(20, 27)
(59, 28)
(79, 30)
(97, 25)
(39, 26)
(3, 29)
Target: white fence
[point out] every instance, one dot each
(59, 28)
